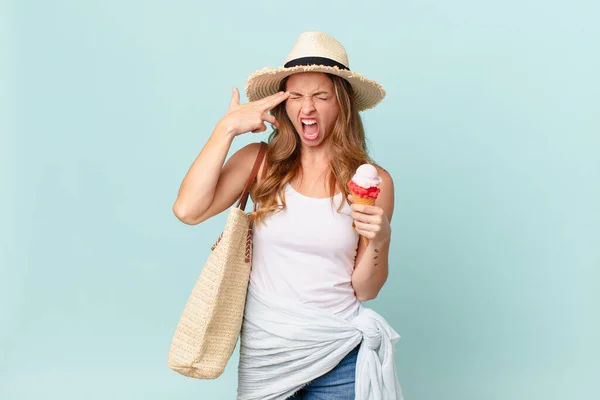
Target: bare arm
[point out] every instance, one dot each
(210, 187)
(371, 266)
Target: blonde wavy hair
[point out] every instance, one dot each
(347, 144)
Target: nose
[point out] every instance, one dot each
(307, 105)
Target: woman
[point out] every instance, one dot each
(306, 334)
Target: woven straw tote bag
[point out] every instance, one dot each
(210, 324)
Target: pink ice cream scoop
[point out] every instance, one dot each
(365, 182)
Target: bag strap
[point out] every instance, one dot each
(259, 159)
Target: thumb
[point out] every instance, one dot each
(235, 98)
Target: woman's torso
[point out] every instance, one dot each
(306, 252)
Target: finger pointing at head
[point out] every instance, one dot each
(271, 101)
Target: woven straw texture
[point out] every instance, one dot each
(266, 81)
(205, 339)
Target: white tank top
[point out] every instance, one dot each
(306, 252)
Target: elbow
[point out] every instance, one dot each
(364, 295)
(369, 289)
(185, 215)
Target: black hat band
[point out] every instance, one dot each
(308, 61)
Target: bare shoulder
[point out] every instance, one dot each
(248, 153)
(243, 160)
(251, 150)
(232, 180)
(386, 196)
(386, 178)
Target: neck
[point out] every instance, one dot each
(314, 158)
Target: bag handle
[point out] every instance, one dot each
(246, 192)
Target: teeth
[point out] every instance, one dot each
(309, 122)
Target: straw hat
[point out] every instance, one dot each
(315, 52)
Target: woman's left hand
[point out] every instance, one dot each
(370, 222)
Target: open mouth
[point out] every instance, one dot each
(310, 128)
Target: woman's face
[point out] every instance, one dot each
(312, 106)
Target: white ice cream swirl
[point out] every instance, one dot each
(366, 176)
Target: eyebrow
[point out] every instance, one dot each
(312, 94)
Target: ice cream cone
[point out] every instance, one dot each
(364, 187)
(369, 201)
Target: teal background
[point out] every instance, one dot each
(490, 130)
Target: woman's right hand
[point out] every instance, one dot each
(251, 117)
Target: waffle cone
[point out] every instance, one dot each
(369, 201)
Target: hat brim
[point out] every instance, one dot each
(267, 81)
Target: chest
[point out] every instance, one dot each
(310, 226)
